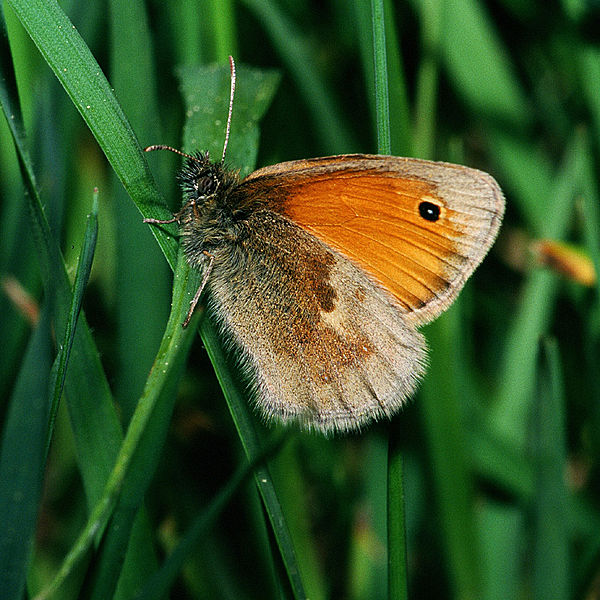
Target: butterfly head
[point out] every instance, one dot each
(205, 186)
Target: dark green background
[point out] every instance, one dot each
(500, 444)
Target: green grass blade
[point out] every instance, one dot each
(397, 557)
(427, 80)
(382, 95)
(528, 177)
(79, 73)
(400, 118)
(396, 534)
(590, 208)
(442, 407)
(293, 492)
(364, 27)
(9, 97)
(94, 421)
(144, 440)
(399, 110)
(12, 112)
(222, 25)
(589, 65)
(96, 427)
(18, 265)
(508, 416)
(21, 478)
(335, 136)
(367, 566)
(550, 555)
(139, 334)
(496, 459)
(138, 454)
(82, 276)
(478, 64)
(501, 527)
(191, 43)
(27, 424)
(160, 583)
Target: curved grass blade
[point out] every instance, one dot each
(73, 64)
(139, 452)
(85, 378)
(478, 65)
(82, 275)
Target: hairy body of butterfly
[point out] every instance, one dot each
(321, 269)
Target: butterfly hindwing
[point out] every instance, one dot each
(332, 351)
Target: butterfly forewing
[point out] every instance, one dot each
(374, 209)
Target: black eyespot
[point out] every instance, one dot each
(429, 211)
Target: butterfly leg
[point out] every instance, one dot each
(196, 298)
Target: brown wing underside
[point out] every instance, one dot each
(367, 208)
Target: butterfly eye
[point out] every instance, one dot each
(207, 185)
(429, 211)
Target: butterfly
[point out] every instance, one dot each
(319, 271)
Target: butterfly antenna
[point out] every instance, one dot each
(170, 149)
(227, 130)
(232, 92)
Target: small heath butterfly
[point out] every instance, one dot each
(320, 270)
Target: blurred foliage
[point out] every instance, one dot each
(501, 443)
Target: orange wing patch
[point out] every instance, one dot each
(375, 221)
